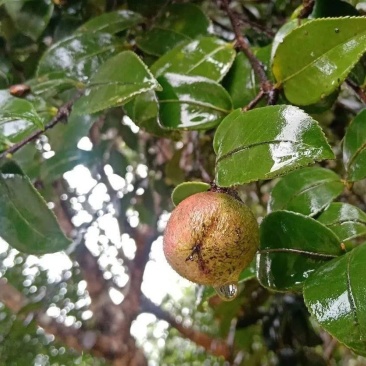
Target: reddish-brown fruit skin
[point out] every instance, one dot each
(210, 238)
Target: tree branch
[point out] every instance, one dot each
(11, 297)
(307, 8)
(216, 347)
(357, 89)
(266, 86)
(94, 341)
(254, 102)
(110, 335)
(62, 115)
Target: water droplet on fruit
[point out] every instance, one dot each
(228, 291)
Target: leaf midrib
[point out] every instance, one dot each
(306, 253)
(255, 144)
(355, 155)
(216, 50)
(199, 104)
(308, 188)
(350, 296)
(346, 221)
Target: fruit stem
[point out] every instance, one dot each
(230, 191)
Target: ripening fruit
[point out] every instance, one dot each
(210, 238)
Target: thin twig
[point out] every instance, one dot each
(62, 115)
(307, 8)
(242, 43)
(255, 101)
(248, 24)
(214, 346)
(357, 89)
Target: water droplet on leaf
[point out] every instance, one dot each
(228, 291)
(336, 30)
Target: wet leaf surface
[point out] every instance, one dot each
(329, 50)
(78, 56)
(307, 191)
(208, 56)
(292, 246)
(112, 22)
(26, 222)
(265, 143)
(191, 102)
(354, 148)
(345, 220)
(18, 118)
(335, 295)
(113, 85)
(186, 189)
(31, 17)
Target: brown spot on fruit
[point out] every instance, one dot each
(210, 238)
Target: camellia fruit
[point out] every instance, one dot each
(210, 238)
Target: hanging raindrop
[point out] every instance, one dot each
(228, 291)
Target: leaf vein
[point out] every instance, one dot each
(325, 256)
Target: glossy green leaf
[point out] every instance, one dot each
(187, 19)
(44, 109)
(186, 189)
(26, 222)
(112, 22)
(307, 191)
(292, 246)
(326, 102)
(354, 148)
(118, 162)
(209, 57)
(329, 49)
(240, 82)
(191, 102)
(6, 75)
(12, 108)
(76, 128)
(144, 112)
(177, 23)
(18, 118)
(335, 295)
(345, 220)
(146, 7)
(52, 84)
(332, 8)
(31, 17)
(159, 41)
(282, 33)
(265, 143)
(29, 160)
(358, 73)
(77, 57)
(113, 85)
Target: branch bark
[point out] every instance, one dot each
(357, 89)
(216, 347)
(80, 339)
(62, 115)
(266, 86)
